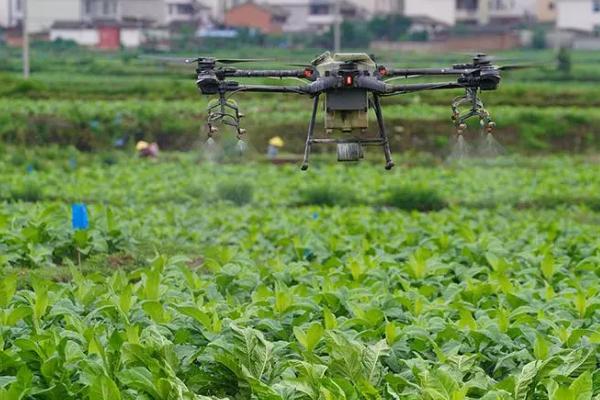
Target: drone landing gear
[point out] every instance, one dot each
(311, 131)
(477, 110)
(389, 164)
(350, 149)
(228, 113)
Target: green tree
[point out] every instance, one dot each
(389, 27)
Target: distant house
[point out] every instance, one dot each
(440, 11)
(482, 12)
(11, 13)
(546, 10)
(265, 18)
(578, 15)
(82, 33)
(106, 35)
(163, 12)
(44, 13)
(316, 16)
(425, 24)
(319, 15)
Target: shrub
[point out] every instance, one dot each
(415, 198)
(239, 193)
(29, 191)
(328, 195)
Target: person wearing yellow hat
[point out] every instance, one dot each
(145, 149)
(275, 144)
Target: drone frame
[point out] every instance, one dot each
(475, 77)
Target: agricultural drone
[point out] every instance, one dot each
(351, 84)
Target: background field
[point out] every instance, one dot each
(245, 280)
(89, 101)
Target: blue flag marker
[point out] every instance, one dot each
(79, 216)
(29, 168)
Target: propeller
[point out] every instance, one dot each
(226, 60)
(210, 60)
(301, 65)
(516, 67)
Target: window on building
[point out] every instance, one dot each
(18, 6)
(596, 6)
(185, 9)
(87, 7)
(468, 5)
(105, 7)
(319, 9)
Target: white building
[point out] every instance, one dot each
(11, 13)
(163, 12)
(311, 15)
(381, 7)
(315, 15)
(513, 9)
(438, 10)
(82, 33)
(43, 13)
(578, 15)
(90, 34)
(498, 11)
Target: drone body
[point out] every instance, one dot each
(350, 84)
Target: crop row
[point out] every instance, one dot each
(305, 304)
(38, 188)
(180, 124)
(81, 86)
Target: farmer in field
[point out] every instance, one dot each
(147, 150)
(275, 144)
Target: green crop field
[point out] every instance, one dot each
(245, 280)
(204, 281)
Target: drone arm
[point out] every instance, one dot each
(314, 88)
(392, 73)
(271, 89)
(268, 74)
(418, 87)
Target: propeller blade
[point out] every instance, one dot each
(242, 60)
(168, 59)
(300, 65)
(227, 60)
(516, 67)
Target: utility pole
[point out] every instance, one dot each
(337, 29)
(24, 23)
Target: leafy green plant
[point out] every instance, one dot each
(239, 193)
(328, 195)
(175, 300)
(29, 190)
(415, 198)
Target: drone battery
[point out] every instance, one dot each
(349, 152)
(347, 110)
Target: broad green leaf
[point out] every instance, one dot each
(8, 287)
(541, 347)
(104, 388)
(547, 265)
